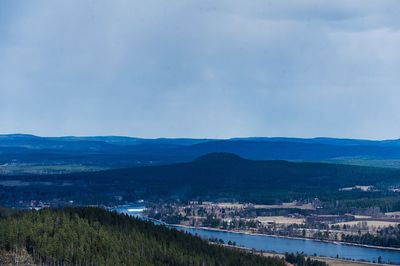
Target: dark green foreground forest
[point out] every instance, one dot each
(92, 236)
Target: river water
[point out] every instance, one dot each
(282, 245)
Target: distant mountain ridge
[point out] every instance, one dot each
(117, 151)
(326, 140)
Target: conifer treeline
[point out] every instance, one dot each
(386, 237)
(92, 236)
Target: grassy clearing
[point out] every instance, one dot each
(280, 220)
(15, 169)
(371, 223)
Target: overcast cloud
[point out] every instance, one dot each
(201, 68)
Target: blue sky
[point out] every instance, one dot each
(201, 68)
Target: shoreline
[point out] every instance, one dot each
(319, 258)
(287, 237)
(326, 259)
(329, 260)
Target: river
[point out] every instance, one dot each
(282, 244)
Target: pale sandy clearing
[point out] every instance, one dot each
(280, 220)
(334, 262)
(393, 213)
(228, 205)
(371, 223)
(290, 205)
(330, 261)
(362, 216)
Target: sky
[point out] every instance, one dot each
(215, 69)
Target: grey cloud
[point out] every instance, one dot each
(200, 68)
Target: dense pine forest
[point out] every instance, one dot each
(92, 236)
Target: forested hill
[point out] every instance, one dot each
(230, 176)
(216, 176)
(114, 152)
(90, 236)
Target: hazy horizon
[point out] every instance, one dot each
(185, 137)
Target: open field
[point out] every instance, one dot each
(280, 220)
(228, 205)
(289, 205)
(337, 262)
(330, 261)
(362, 216)
(385, 163)
(286, 205)
(12, 258)
(392, 213)
(15, 169)
(371, 223)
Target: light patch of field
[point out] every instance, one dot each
(11, 258)
(366, 162)
(289, 205)
(362, 188)
(14, 169)
(334, 262)
(362, 216)
(228, 205)
(329, 261)
(280, 220)
(17, 183)
(392, 213)
(371, 223)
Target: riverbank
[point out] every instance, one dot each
(332, 261)
(287, 237)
